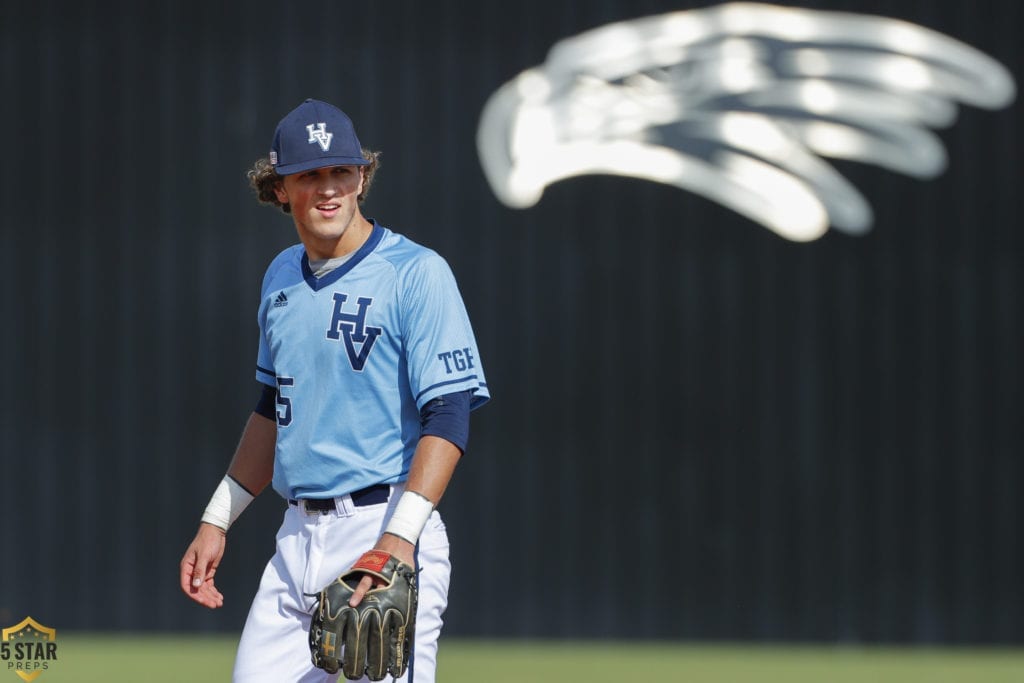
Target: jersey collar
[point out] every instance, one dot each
(316, 284)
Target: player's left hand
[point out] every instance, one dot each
(393, 545)
(375, 638)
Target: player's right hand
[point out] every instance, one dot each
(200, 564)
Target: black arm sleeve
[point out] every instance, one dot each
(448, 417)
(267, 403)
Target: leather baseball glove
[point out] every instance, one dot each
(374, 638)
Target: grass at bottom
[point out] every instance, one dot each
(89, 658)
(150, 658)
(620, 662)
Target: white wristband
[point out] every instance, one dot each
(410, 516)
(227, 503)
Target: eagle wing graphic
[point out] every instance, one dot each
(739, 103)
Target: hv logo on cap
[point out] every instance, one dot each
(314, 135)
(320, 134)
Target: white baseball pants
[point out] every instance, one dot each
(313, 549)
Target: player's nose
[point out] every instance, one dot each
(327, 188)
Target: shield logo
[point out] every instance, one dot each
(28, 647)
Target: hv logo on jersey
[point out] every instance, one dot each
(320, 135)
(353, 330)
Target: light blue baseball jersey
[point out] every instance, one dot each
(355, 355)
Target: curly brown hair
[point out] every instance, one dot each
(263, 178)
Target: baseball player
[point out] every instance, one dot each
(369, 369)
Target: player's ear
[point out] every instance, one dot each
(282, 196)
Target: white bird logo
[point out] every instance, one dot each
(739, 103)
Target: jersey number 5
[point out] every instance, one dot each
(284, 404)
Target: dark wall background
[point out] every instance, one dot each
(699, 430)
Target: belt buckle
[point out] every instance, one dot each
(307, 510)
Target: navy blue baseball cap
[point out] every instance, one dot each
(313, 135)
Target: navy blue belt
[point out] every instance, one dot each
(371, 495)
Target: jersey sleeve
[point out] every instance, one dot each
(441, 350)
(264, 362)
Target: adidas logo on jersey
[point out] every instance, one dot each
(281, 300)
